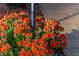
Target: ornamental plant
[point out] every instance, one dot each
(17, 38)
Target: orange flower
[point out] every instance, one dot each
(20, 26)
(20, 17)
(1, 34)
(23, 13)
(35, 41)
(38, 53)
(7, 46)
(41, 41)
(3, 27)
(46, 29)
(22, 52)
(27, 26)
(33, 49)
(4, 48)
(50, 25)
(54, 44)
(51, 35)
(45, 36)
(27, 43)
(0, 45)
(20, 43)
(46, 51)
(16, 31)
(28, 34)
(28, 53)
(62, 36)
(51, 52)
(39, 19)
(12, 15)
(63, 44)
(26, 20)
(42, 53)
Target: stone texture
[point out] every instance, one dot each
(3, 9)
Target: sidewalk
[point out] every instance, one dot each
(71, 27)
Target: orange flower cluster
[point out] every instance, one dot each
(20, 24)
(63, 37)
(3, 26)
(1, 34)
(25, 53)
(40, 48)
(41, 43)
(4, 48)
(50, 25)
(48, 35)
(39, 19)
(25, 43)
(55, 43)
(63, 40)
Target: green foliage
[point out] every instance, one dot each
(10, 35)
(13, 42)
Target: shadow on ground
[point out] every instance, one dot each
(72, 48)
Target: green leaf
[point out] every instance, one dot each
(20, 37)
(10, 30)
(9, 22)
(10, 35)
(1, 54)
(10, 53)
(17, 49)
(59, 46)
(15, 18)
(17, 40)
(39, 30)
(56, 32)
(24, 16)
